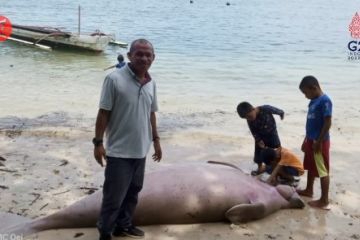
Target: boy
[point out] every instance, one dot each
(263, 128)
(120, 63)
(282, 163)
(316, 144)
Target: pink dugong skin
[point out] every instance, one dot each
(180, 194)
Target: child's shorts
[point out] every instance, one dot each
(317, 164)
(287, 169)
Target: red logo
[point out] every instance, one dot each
(5, 28)
(354, 26)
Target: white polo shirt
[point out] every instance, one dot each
(129, 132)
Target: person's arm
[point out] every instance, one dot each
(156, 139)
(274, 110)
(303, 145)
(109, 67)
(325, 129)
(100, 126)
(255, 135)
(272, 179)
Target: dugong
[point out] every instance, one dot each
(181, 194)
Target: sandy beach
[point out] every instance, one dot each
(48, 168)
(209, 57)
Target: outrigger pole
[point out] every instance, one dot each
(30, 43)
(79, 17)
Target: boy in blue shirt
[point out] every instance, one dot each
(316, 144)
(263, 128)
(120, 63)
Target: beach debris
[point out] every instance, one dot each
(269, 236)
(13, 133)
(2, 159)
(61, 192)
(37, 196)
(4, 187)
(64, 162)
(23, 210)
(227, 3)
(218, 236)
(78, 235)
(355, 236)
(233, 226)
(7, 170)
(91, 190)
(55, 171)
(248, 234)
(44, 206)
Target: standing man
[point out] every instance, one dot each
(127, 114)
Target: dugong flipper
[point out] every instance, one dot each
(181, 194)
(246, 212)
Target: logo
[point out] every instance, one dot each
(12, 236)
(354, 26)
(5, 28)
(354, 45)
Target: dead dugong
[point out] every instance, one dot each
(180, 194)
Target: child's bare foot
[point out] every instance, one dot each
(305, 193)
(319, 204)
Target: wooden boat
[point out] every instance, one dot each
(56, 38)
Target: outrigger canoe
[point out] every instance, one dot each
(49, 37)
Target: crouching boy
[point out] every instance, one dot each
(282, 165)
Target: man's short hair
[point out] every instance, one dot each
(120, 58)
(268, 155)
(142, 41)
(309, 82)
(244, 108)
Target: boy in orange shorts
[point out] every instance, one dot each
(316, 144)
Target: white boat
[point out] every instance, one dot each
(56, 38)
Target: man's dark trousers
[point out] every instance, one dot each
(124, 179)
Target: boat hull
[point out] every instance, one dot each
(60, 39)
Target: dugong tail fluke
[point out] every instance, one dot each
(82, 213)
(9, 219)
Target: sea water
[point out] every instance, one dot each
(209, 57)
